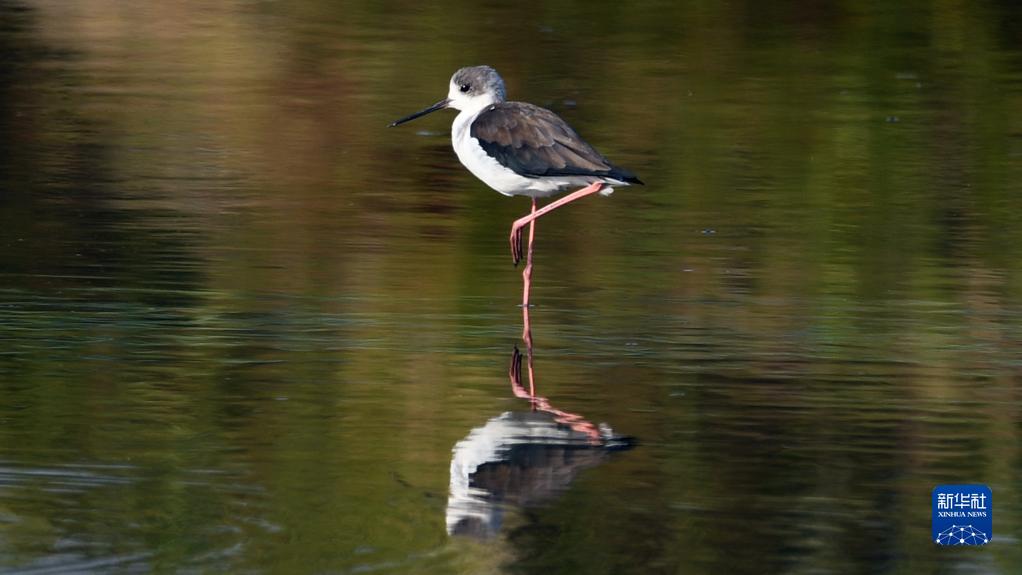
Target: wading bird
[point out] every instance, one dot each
(520, 149)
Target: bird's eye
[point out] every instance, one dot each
(465, 87)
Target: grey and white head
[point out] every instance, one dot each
(475, 87)
(471, 89)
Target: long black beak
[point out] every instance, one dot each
(438, 106)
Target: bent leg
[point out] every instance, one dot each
(516, 227)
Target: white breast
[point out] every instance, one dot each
(492, 173)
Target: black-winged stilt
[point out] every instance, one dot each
(520, 149)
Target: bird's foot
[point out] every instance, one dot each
(516, 244)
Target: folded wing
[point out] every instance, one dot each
(535, 142)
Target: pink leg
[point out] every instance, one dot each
(526, 329)
(516, 228)
(527, 272)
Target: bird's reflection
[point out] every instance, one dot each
(521, 458)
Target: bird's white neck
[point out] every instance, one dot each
(469, 111)
(473, 106)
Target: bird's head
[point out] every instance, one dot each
(475, 88)
(471, 89)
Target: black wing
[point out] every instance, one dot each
(535, 142)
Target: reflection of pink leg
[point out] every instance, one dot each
(572, 420)
(516, 228)
(515, 375)
(526, 286)
(527, 330)
(528, 352)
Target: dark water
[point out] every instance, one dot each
(244, 326)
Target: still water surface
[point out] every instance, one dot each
(244, 327)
